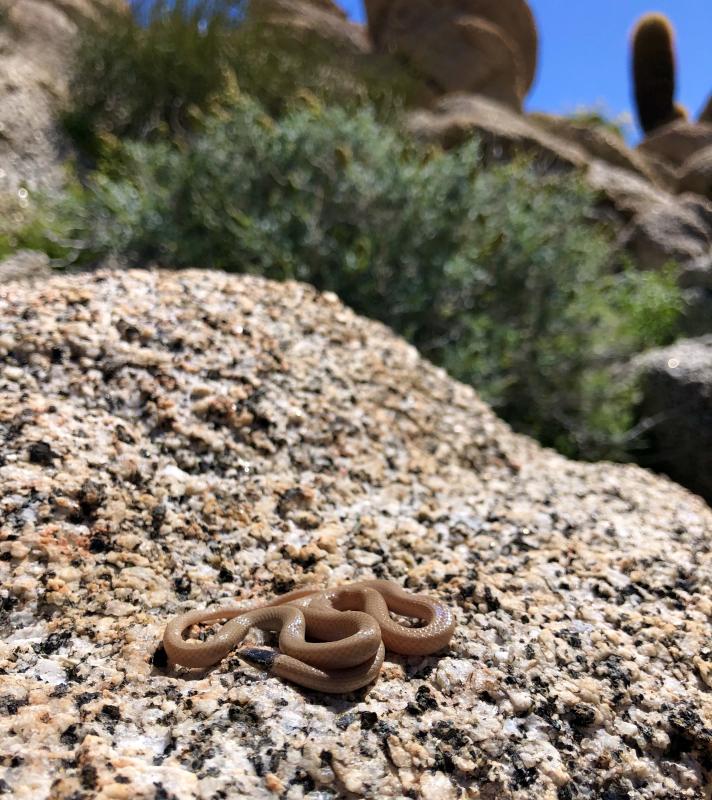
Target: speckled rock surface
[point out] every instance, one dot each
(173, 440)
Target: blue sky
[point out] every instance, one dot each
(584, 52)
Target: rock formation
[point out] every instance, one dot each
(173, 440)
(36, 40)
(696, 283)
(25, 265)
(677, 387)
(678, 141)
(695, 174)
(487, 47)
(678, 230)
(322, 18)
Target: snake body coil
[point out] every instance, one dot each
(353, 626)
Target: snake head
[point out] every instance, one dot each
(260, 657)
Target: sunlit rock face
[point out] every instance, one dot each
(174, 440)
(489, 47)
(37, 39)
(310, 21)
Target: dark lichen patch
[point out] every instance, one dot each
(41, 453)
(159, 658)
(688, 733)
(443, 761)
(582, 715)
(282, 585)
(244, 715)
(111, 712)
(92, 496)
(492, 602)
(303, 779)
(88, 776)
(83, 698)
(611, 668)
(447, 732)
(225, 575)
(99, 544)
(11, 705)
(523, 777)
(161, 793)
(69, 736)
(368, 720)
(182, 585)
(54, 642)
(424, 701)
(158, 517)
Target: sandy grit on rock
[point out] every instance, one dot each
(172, 440)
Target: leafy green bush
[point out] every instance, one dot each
(601, 118)
(144, 73)
(133, 75)
(498, 274)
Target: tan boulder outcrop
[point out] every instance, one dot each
(623, 176)
(599, 143)
(501, 130)
(36, 44)
(678, 231)
(695, 175)
(322, 18)
(677, 141)
(477, 46)
(25, 265)
(629, 192)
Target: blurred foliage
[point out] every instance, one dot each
(18, 223)
(497, 273)
(217, 139)
(600, 117)
(149, 72)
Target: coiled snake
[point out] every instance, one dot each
(352, 623)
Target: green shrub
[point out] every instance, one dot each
(17, 223)
(138, 71)
(598, 117)
(144, 73)
(498, 274)
(274, 65)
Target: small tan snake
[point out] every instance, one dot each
(352, 622)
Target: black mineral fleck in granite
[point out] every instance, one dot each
(41, 453)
